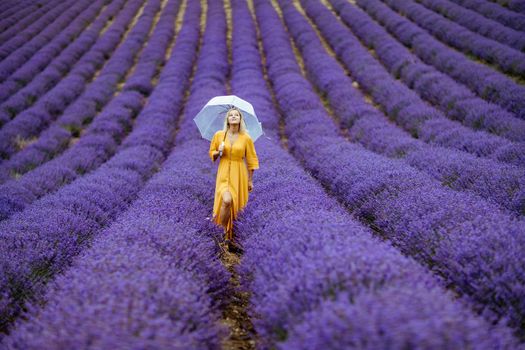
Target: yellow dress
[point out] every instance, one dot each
(232, 173)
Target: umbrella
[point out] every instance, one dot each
(211, 117)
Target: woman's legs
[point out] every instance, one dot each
(226, 210)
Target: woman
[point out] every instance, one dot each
(234, 177)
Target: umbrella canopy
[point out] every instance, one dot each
(210, 119)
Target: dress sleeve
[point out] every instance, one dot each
(251, 156)
(214, 145)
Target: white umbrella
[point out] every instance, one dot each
(210, 119)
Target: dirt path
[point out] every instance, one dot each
(235, 316)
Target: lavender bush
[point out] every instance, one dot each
(303, 249)
(507, 59)
(98, 93)
(469, 241)
(403, 105)
(176, 247)
(154, 257)
(67, 219)
(49, 107)
(454, 99)
(54, 60)
(477, 23)
(13, 53)
(483, 80)
(39, 19)
(495, 181)
(514, 5)
(495, 12)
(389, 219)
(19, 16)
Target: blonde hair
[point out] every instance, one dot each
(242, 126)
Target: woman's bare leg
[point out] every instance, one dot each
(226, 208)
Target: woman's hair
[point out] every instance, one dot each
(242, 126)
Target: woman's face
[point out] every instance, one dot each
(234, 117)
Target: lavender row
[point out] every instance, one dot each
(153, 56)
(95, 146)
(10, 9)
(302, 249)
(300, 258)
(11, 60)
(66, 63)
(438, 88)
(514, 5)
(477, 23)
(156, 258)
(507, 59)
(39, 19)
(178, 253)
(159, 232)
(210, 77)
(13, 6)
(97, 93)
(509, 18)
(403, 105)
(18, 17)
(485, 82)
(99, 143)
(468, 241)
(66, 220)
(458, 170)
(49, 64)
(7, 6)
(72, 124)
(31, 121)
(454, 99)
(22, 89)
(157, 265)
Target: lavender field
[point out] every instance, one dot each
(387, 213)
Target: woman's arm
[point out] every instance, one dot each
(250, 182)
(214, 147)
(251, 161)
(251, 156)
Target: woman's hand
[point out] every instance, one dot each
(221, 147)
(250, 185)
